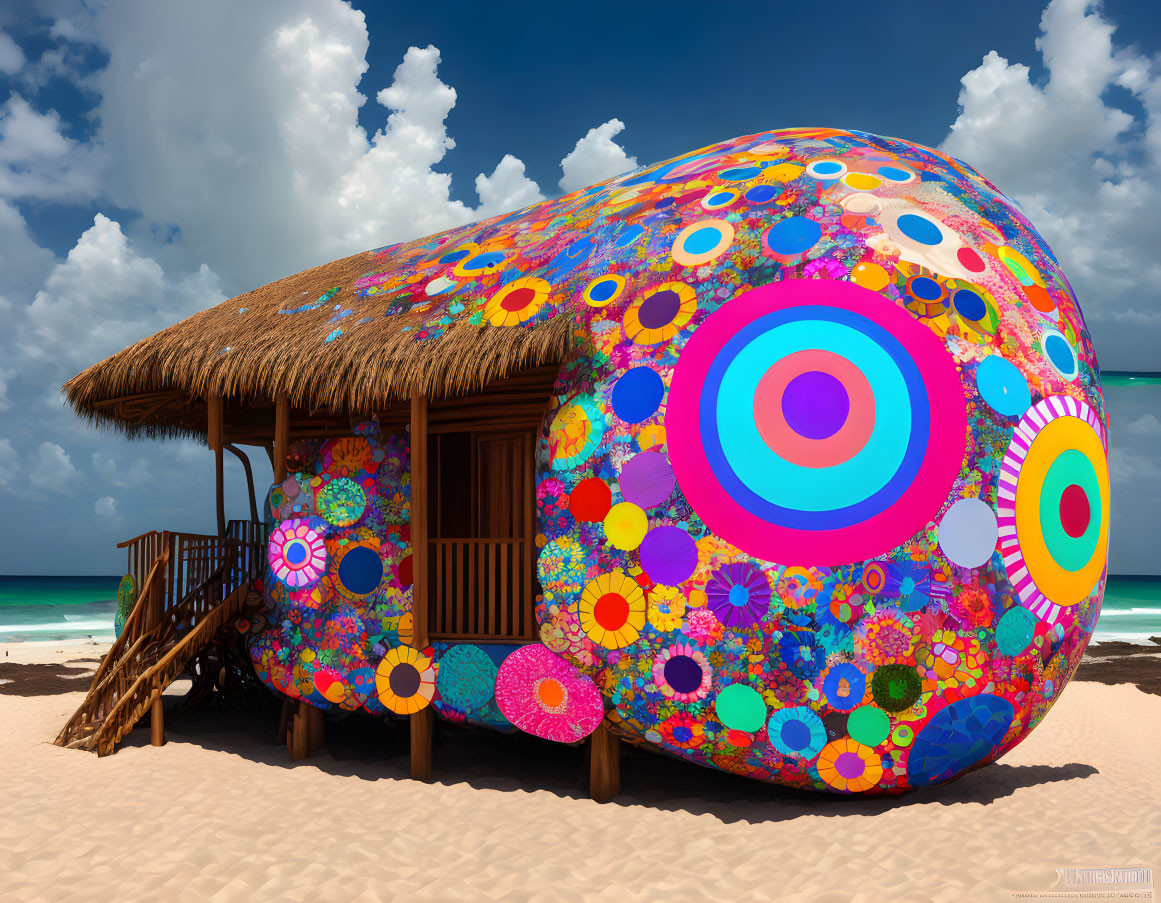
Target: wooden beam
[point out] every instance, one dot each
(422, 722)
(214, 432)
(604, 764)
(281, 435)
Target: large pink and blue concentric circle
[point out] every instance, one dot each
(830, 425)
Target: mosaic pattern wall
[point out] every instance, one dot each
(822, 495)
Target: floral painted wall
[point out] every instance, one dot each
(822, 493)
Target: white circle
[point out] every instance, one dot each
(968, 533)
(825, 164)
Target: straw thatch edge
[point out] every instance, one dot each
(246, 351)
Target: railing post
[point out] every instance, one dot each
(214, 438)
(604, 764)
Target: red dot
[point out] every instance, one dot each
(970, 260)
(518, 299)
(611, 611)
(590, 500)
(405, 574)
(1074, 511)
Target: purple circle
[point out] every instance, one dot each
(659, 309)
(647, 479)
(668, 555)
(815, 404)
(850, 765)
(683, 673)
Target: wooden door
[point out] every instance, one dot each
(483, 524)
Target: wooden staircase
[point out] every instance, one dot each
(189, 588)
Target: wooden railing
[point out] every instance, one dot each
(482, 590)
(192, 585)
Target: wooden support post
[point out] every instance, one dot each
(157, 717)
(314, 734)
(604, 764)
(281, 436)
(422, 729)
(283, 721)
(423, 721)
(214, 431)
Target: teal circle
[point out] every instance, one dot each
(1015, 630)
(792, 486)
(868, 725)
(1003, 386)
(741, 708)
(1070, 467)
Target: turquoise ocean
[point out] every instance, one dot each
(63, 608)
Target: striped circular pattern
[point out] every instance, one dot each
(517, 302)
(718, 199)
(1053, 505)
(823, 426)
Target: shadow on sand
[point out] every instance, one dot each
(370, 749)
(30, 679)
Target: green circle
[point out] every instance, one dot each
(868, 725)
(903, 735)
(1070, 467)
(895, 688)
(1015, 630)
(741, 708)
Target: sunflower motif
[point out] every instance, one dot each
(660, 313)
(682, 730)
(850, 766)
(517, 302)
(925, 293)
(612, 610)
(405, 680)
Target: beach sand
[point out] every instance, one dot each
(220, 812)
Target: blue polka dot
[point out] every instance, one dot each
(603, 290)
(702, 241)
(361, 570)
(925, 289)
(918, 229)
(454, 257)
(295, 552)
(969, 305)
(957, 737)
(637, 394)
(1059, 352)
(1003, 386)
(894, 173)
(793, 235)
(761, 194)
(483, 261)
(721, 198)
(739, 174)
(795, 734)
(630, 235)
(827, 168)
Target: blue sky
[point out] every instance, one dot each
(156, 158)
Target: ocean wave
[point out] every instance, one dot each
(58, 627)
(1121, 612)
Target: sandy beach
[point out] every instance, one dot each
(221, 813)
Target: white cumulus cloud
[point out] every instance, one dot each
(105, 506)
(49, 469)
(1084, 162)
(596, 157)
(38, 161)
(11, 56)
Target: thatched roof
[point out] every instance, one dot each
(279, 338)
